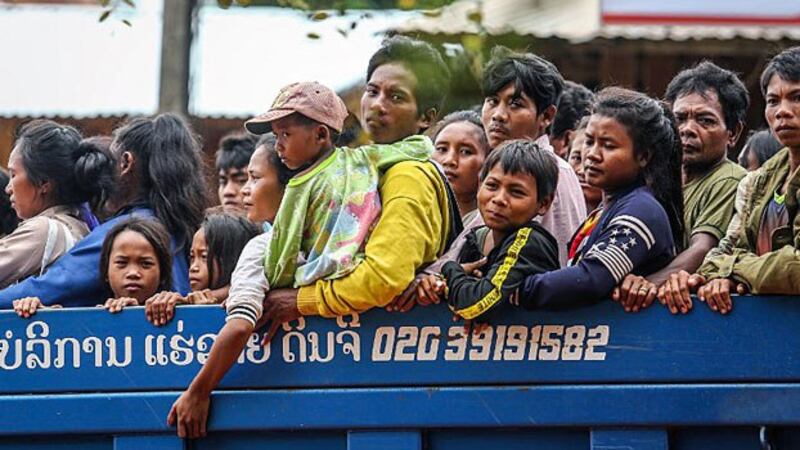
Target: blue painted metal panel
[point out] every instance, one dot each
(87, 379)
(285, 440)
(412, 408)
(629, 439)
(384, 440)
(503, 439)
(148, 442)
(600, 344)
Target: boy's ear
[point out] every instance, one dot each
(545, 204)
(427, 119)
(323, 134)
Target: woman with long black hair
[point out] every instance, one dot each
(634, 156)
(53, 172)
(159, 173)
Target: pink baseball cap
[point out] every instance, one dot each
(311, 99)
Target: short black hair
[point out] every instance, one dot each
(763, 143)
(707, 76)
(525, 156)
(267, 140)
(235, 150)
(468, 116)
(785, 64)
(424, 61)
(155, 233)
(537, 77)
(226, 236)
(574, 103)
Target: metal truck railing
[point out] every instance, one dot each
(594, 378)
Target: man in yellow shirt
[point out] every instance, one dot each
(419, 218)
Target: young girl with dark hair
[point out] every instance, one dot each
(461, 146)
(159, 169)
(634, 156)
(52, 172)
(216, 247)
(135, 262)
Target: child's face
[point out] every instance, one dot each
(298, 144)
(508, 201)
(783, 110)
(577, 159)
(133, 269)
(263, 192)
(460, 152)
(199, 278)
(610, 162)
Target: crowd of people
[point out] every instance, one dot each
(547, 195)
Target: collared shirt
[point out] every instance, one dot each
(568, 210)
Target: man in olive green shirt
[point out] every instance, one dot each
(709, 104)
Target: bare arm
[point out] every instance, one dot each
(190, 411)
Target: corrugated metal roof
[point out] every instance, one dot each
(574, 20)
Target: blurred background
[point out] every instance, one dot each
(92, 63)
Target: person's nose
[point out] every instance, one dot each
(784, 111)
(133, 273)
(687, 129)
(500, 113)
(228, 190)
(450, 158)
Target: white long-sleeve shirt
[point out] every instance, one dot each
(249, 284)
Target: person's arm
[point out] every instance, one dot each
(21, 251)
(190, 410)
(776, 272)
(625, 244)
(249, 282)
(411, 231)
(529, 253)
(73, 280)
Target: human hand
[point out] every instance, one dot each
(634, 293)
(204, 297)
(26, 307)
(407, 299)
(280, 306)
(675, 293)
(717, 294)
(160, 308)
(472, 267)
(430, 290)
(115, 305)
(190, 414)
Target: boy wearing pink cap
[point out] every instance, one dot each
(328, 209)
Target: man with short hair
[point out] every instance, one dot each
(574, 103)
(233, 156)
(765, 258)
(418, 212)
(710, 106)
(521, 91)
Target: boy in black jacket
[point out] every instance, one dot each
(518, 182)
